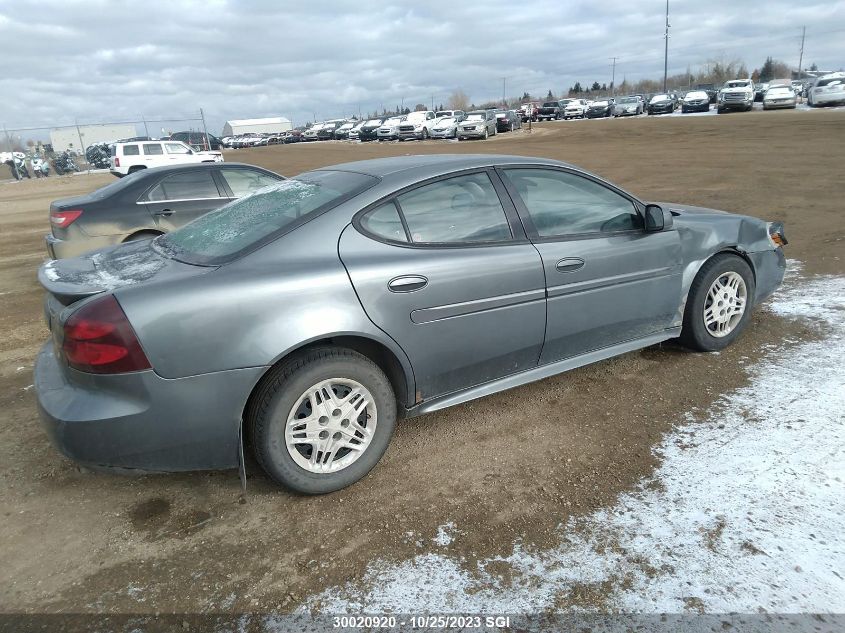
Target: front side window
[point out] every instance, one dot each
(176, 148)
(243, 182)
(152, 149)
(195, 184)
(460, 209)
(562, 204)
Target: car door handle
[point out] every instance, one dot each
(164, 212)
(407, 283)
(569, 264)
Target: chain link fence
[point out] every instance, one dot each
(30, 151)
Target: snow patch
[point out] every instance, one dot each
(746, 516)
(445, 534)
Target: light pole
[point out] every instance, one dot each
(613, 79)
(666, 50)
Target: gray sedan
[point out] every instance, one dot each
(306, 318)
(147, 203)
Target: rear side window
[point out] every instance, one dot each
(152, 149)
(243, 182)
(463, 209)
(131, 150)
(195, 184)
(384, 221)
(561, 203)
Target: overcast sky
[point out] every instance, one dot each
(113, 60)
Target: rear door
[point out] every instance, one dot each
(153, 154)
(445, 269)
(608, 280)
(183, 196)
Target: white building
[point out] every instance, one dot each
(86, 135)
(273, 125)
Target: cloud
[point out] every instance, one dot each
(106, 61)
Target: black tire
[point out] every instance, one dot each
(694, 334)
(135, 168)
(281, 389)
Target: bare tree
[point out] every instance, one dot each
(458, 100)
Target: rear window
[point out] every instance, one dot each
(550, 104)
(259, 218)
(830, 81)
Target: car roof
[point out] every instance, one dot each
(165, 169)
(436, 163)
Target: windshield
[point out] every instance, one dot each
(737, 84)
(258, 218)
(373, 122)
(697, 95)
(445, 122)
(657, 98)
(551, 104)
(628, 100)
(476, 116)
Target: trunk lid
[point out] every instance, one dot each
(70, 280)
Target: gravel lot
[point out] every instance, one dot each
(518, 488)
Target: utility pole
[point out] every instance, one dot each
(504, 91)
(432, 101)
(205, 131)
(801, 58)
(146, 131)
(613, 78)
(666, 50)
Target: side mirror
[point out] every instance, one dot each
(657, 218)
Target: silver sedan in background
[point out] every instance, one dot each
(780, 96)
(304, 319)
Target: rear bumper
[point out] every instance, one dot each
(769, 268)
(141, 421)
(61, 249)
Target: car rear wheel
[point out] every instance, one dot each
(719, 303)
(322, 420)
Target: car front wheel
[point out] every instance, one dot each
(719, 303)
(322, 420)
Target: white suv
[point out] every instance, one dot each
(130, 157)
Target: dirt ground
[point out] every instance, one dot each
(510, 467)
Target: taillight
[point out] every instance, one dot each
(62, 219)
(116, 161)
(99, 339)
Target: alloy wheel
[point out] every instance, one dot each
(726, 301)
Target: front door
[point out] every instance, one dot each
(443, 271)
(608, 280)
(184, 196)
